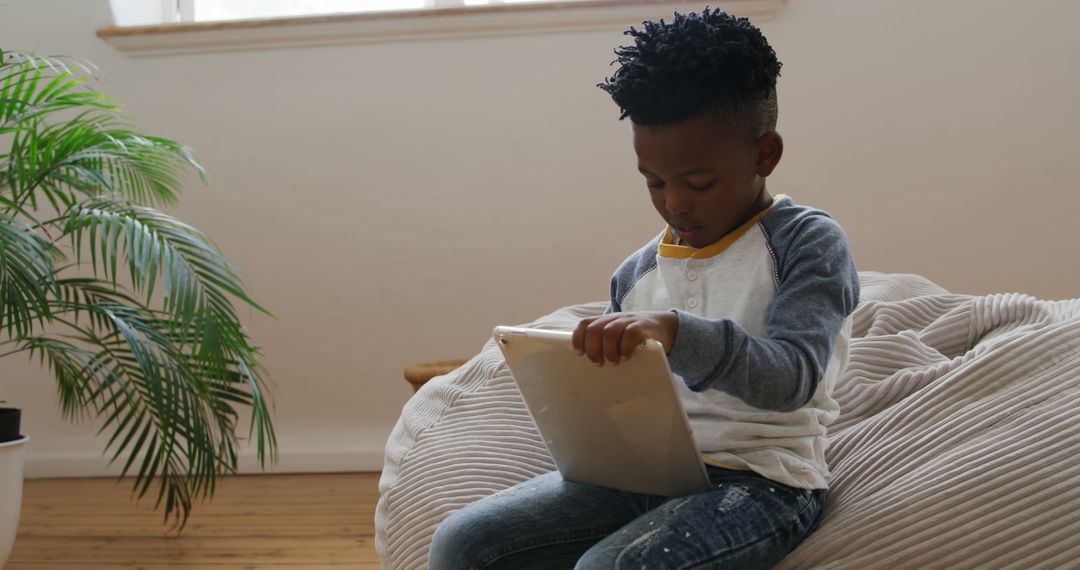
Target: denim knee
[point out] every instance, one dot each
(457, 542)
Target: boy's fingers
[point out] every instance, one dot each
(594, 341)
(632, 337)
(577, 339)
(613, 333)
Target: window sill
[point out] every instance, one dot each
(478, 21)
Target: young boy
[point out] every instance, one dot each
(749, 294)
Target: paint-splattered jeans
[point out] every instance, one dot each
(746, 522)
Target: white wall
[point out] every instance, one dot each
(392, 202)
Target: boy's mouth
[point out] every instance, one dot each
(687, 233)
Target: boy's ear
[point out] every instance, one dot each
(770, 147)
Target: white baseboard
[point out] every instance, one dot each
(291, 459)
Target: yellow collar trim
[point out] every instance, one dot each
(668, 248)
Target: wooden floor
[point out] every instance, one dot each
(256, 521)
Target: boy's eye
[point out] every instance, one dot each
(701, 187)
(654, 185)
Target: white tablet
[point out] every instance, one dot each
(621, 426)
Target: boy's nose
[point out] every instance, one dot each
(679, 202)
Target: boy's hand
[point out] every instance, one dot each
(614, 337)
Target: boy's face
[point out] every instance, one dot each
(705, 179)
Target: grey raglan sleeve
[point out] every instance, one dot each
(817, 289)
(638, 265)
(613, 305)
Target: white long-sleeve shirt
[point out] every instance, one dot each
(764, 324)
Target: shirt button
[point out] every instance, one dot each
(691, 302)
(691, 274)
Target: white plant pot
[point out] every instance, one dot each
(11, 481)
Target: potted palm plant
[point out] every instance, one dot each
(131, 310)
(12, 445)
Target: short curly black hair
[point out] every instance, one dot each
(709, 62)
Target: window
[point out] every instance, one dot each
(218, 10)
(161, 27)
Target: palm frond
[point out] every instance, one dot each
(33, 86)
(90, 154)
(195, 277)
(26, 273)
(163, 403)
(134, 388)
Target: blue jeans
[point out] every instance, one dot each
(745, 522)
